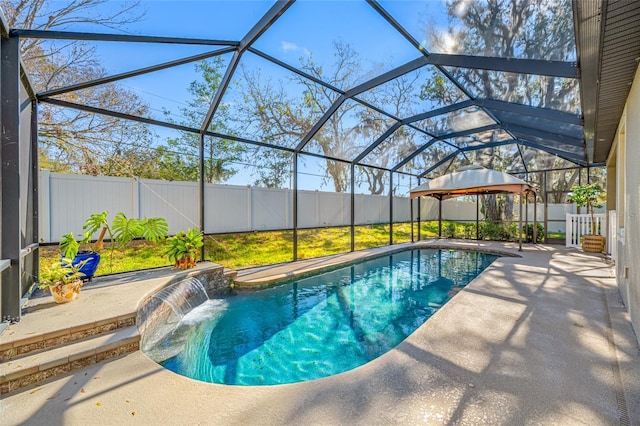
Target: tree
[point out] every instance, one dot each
(71, 140)
(275, 115)
(531, 29)
(180, 155)
(588, 196)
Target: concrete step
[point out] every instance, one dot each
(14, 347)
(35, 368)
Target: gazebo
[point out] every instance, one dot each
(473, 180)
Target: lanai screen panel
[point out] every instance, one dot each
(351, 129)
(394, 149)
(455, 121)
(461, 28)
(326, 40)
(536, 159)
(412, 93)
(540, 91)
(268, 103)
(437, 151)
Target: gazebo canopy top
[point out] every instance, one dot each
(475, 180)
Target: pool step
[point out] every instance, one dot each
(34, 343)
(26, 370)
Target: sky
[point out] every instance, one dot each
(306, 28)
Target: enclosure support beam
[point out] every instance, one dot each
(520, 225)
(201, 189)
(439, 217)
(411, 218)
(526, 218)
(353, 206)
(546, 208)
(35, 187)
(477, 216)
(295, 206)
(419, 208)
(535, 218)
(134, 73)
(390, 208)
(10, 227)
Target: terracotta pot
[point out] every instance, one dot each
(62, 293)
(186, 262)
(592, 243)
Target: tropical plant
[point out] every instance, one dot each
(183, 248)
(121, 231)
(588, 196)
(57, 273)
(539, 233)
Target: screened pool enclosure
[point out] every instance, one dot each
(324, 110)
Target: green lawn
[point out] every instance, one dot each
(268, 247)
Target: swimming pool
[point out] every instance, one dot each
(321, 325)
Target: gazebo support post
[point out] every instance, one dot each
(535, 220)
(520, 225)
(439, 217)
(477, 217)
(526, 215)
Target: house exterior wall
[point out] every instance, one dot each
(627, 193)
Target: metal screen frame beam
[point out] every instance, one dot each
(134, 73)
(414, 154)
(513, 65)
(562, 154)
(73, 35)
(469, 132)
(449, 157)
(489, 145)
(526, 110)
(378, 141)
(439, 111)
(543, 134)
(387, 76)
(258, 29)
(321, 122)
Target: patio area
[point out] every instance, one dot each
(539, 339)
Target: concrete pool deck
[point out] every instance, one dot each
(537, 339)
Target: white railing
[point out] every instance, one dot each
(580, 224)
(612, 234)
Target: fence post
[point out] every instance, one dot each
(249, 208)
(318, 223)
(135, 195)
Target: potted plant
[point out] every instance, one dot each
(589, 196)
(183, 248)
(121, 232)
(62, 279)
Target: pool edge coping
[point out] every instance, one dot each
(324, 264)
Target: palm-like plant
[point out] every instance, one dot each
(121, 232)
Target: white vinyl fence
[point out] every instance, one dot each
(580, 224)
(67, 200)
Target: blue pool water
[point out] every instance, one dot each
(321, 325)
